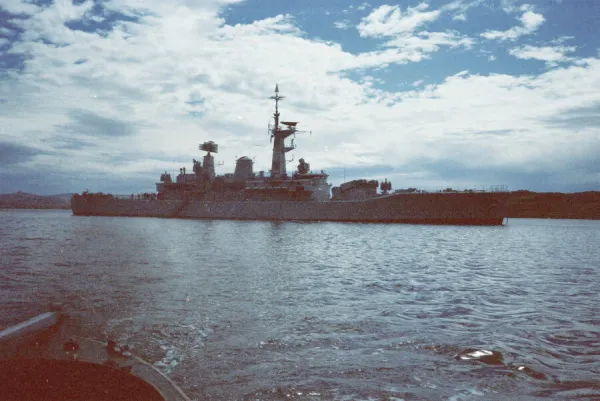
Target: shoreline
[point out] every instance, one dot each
(521, 204)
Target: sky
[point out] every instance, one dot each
(106, 95)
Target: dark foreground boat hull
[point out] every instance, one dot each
(40, 360)
(481, 208)
(55, 379)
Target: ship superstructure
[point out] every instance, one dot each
(244, 183)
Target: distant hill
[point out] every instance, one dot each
(555, 205)
(23, 200)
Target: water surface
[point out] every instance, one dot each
(260, 310)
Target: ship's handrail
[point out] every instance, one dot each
(448, 190)
(142, 196)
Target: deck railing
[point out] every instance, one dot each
(144, 196)
(491, 188)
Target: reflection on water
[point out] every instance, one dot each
(259, 310)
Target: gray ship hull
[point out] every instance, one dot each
(484, 208)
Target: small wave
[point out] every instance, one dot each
(455, 311)
(170, 361)
(579, 389)
(377, 286)
(272, 344)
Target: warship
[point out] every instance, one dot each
(303, 195)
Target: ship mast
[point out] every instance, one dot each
(277, 98)
(278, 170)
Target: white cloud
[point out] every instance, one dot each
(18, 7)
(389, 20)
(492, 58)
(344, 24)
(530, 21)
(279, 24)
(562, 39)
(47, 23)
(363, 6)
(460, 8)
(509, 6)
(402, 31)
(526, 7)
(429, 42)
(545, 53)
(512, 6)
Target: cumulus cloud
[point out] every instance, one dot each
(459, 8)
(550, 54)
(530, 22)
(18, 7)
(48, 23)
(402, 30)
(389, 20)
(278, 24)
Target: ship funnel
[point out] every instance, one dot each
(243, 169)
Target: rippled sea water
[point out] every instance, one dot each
(260, 310)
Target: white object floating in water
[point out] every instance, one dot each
(477, 354)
